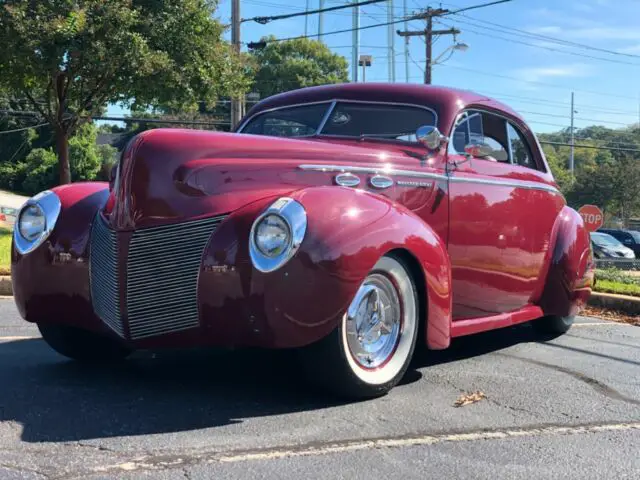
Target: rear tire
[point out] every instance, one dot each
(370, 351)
(553, 324)
(82, 345)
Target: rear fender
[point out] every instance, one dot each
(571, 268)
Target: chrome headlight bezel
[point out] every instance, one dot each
(295, 217)
(49, 203)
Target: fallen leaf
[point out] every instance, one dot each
(469, 398)
(613, 315)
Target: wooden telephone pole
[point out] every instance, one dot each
(237, 103)
(429, 33)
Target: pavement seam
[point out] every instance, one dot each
(167, 462)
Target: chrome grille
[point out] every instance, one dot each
(103, 275)
(162, 277)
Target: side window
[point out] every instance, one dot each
(483, 128)
(520, 149)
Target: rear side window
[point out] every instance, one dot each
(520, 150)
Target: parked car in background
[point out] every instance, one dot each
(607, 246)
(629, 238)
(336, 220)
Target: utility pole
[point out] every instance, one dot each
(572, 140)
(306, 20)
(406, 43)
(320, 21)
(355, 41)
(391, 41)
(236, 103)
(429, 33)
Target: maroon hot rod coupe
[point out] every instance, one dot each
(337, 220)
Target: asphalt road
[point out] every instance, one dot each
(566, 407)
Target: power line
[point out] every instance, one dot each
(524, 33)
(543, 47)
(596, 147)
(473, 7)
(382, 24)
(265, 20)
(2, 132)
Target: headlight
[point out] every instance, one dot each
(272, 235)
(31, 222)
(277, 234)
(36, 220)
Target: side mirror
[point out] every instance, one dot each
(478, 149)
(430, 137)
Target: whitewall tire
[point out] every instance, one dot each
(370, 351)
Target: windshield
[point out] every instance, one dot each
(605, 240)
(344, 119)
(635, 235)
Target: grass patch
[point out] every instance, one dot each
(608, 286)
(5, 251)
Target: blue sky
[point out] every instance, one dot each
(534, 79)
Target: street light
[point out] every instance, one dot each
(364, 62)
(459, 46)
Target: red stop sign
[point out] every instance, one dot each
(592, 216)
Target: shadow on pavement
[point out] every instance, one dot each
(174, 391)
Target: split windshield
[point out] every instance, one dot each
(344, 119)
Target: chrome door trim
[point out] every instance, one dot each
(371, 170)
(526, 184)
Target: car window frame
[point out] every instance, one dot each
(471, 113)
(332, 104)
(541, 167)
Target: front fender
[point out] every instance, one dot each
(51, 283)
(571, 267)
(348, 231)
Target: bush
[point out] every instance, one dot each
(40, 170)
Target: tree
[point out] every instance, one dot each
(71, 58)
(291, 64)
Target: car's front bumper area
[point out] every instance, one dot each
(182, 284)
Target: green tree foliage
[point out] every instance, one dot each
(291, 64)
(38, 171)
(71, 58)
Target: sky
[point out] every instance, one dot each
(533, 75)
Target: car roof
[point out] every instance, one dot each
(445, 100)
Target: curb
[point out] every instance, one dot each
(622, 303)
(6, 289)
(611, 301)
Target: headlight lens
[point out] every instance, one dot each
(272, 235)
(32, 222)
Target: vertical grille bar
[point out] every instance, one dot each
(103, 275)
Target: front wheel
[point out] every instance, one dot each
(553, 324)
(370, 351)
(82, 345)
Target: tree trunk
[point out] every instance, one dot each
(62, 145)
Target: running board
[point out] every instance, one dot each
(469, 326)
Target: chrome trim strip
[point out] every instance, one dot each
(507, 183)
(406, 183)
(436, 176)
(332, 102)
(371, 170)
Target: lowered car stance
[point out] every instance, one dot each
(349, 222)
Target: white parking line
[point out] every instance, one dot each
(162, 462)
(16, 338)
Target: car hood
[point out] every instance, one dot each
(171, 175)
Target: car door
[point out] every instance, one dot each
(502, 211)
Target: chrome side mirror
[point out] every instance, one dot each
(478, 149)
(430, 137)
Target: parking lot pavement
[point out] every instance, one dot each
(565, 407)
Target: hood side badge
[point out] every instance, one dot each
(347, 180)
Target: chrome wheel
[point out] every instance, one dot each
(374, 322)
(380, 327)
